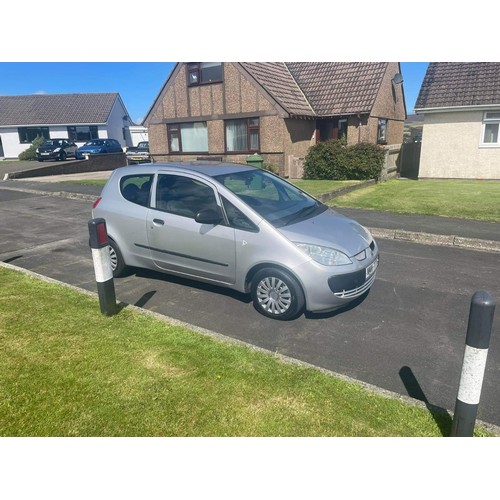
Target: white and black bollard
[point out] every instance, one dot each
(482, 309)
(102, 266)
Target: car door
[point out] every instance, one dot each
(181, 244)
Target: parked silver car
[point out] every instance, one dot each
(240, 227)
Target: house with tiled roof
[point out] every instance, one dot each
(460, 103)
(279, 110)
(77, 117)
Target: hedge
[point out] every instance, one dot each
(334, 160)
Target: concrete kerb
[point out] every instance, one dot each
(437, 239)
(285, 359)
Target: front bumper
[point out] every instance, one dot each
(326, 291)
(133, 159)
(48, 155)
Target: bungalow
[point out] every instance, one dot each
(460, 103)
(279, 110)
(77, 117)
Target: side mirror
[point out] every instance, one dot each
(208, 216)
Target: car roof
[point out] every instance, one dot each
(209, 168)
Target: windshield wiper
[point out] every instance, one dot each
(302, 213)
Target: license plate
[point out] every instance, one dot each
(371, 269)
(45, 154)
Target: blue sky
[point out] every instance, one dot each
(138, 83)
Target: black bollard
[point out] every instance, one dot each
(477, 342)
(102, 266)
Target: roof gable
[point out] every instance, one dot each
(457, 84)
(55, 109)
(310, 89)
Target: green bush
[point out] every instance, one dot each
(270, 167)
(334, 160)
(30, 153)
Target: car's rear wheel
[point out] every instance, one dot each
(117, 263)
(277, 294)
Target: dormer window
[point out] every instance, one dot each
(204, 72)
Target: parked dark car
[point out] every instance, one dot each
(56, 149)
(99, 146)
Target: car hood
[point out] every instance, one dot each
(332, 230)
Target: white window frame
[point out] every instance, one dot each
(490, 118)
(382, 127)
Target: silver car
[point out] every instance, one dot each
(239, 227)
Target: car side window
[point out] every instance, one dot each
(237, 218)
(183, 196)
(136, 188)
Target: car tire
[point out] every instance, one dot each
(39, 159)
(118, 265)
(62, 156)
(277, 294)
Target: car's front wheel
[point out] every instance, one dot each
(277, 294)
(62, 156)
(117, 263)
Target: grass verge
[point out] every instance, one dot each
(478, 200)
(67, 370)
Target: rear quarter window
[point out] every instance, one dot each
(136, 188)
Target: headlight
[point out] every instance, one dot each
(37, 150)
(325, 255)
(57, 150)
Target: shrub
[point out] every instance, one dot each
(30, 153)
(270, 167)
(334, 160)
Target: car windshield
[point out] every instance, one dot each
(53, 142)
(278, 201)
(95, 143)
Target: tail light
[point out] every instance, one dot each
(96, 202)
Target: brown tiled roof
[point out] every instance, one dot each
(54, 109)
(277, 80)
(449, 84)
(321, 88)
(338, 88)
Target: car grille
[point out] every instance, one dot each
(351, 285)
(356, 292)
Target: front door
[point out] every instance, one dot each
(178, 243)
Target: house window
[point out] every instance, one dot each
(491, 126)
(202, 73)
(28, 134)
(187, 137)
(242, 135)
(343, 128)
(382, 131)
(83, 133)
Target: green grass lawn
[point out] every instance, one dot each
(479, 200)
(67, 370)
(319, 187)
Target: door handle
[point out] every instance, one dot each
(158, 222)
